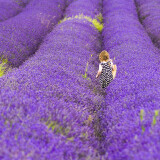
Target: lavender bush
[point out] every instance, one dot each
(10, 8)
(92, 10)
(135, 87)
(52, 106)
(21, 35)
(48, 104)
(26, 135)
(149, 12)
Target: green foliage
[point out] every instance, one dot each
(141, 115)
(94, 90)
(70, 139)
(154, 121)
(156, 113)
(8, 122)
(84, 135)
(142, 118)
(57, 128)
(143, 129)
(2, 66)
(95, 23)
(16, 137)
(85, 75)
(100, 17)
(18, 2)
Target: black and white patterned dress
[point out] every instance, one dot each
(106, 75)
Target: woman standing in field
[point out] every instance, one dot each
(107, 71)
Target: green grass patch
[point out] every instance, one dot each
(3, 66)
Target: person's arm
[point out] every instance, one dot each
(112, 64)
(99, 71)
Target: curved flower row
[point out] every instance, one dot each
(10, 8)
(131, 99)
(20, 36)
(93, 10)
(92, 14)
(95, 23)
(47, 103)
(149, 12)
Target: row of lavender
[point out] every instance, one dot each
(20, 36)
(10, 8)
(149, 14)
(129, 124)
(48, 107)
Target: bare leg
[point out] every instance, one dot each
(114, 71)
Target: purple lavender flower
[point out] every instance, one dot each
(10, 8)
(149, 16)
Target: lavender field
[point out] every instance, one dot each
(52, 106)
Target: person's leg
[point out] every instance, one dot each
(114, 71)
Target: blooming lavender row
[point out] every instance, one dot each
(92, 14)
(68, 2)
(20, 36)
(26, 135)
(126, 120)
(10, 8)
(92, 10)
(149, 14)
(48, 103)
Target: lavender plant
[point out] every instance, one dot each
(142, 118)
(47, 97)
(92, 11)
(21, 35)
(95, 23)
(10, 8)
(148, 12)
(3, 66)
(136, 85)
(155, 117)
(85, 75)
